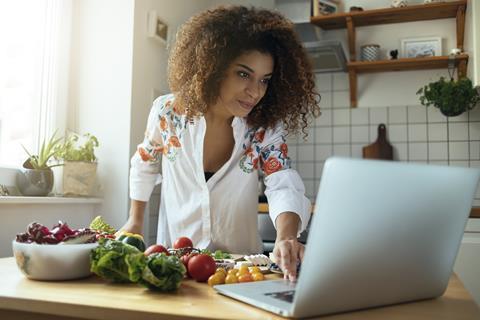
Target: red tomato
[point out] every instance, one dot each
(201, 267)
(183, 242)
(154, 248)
(185, 258)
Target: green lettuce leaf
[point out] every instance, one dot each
(163, 273)
(116, 261)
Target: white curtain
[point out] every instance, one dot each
(34, 64)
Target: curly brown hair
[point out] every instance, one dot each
(208, 43)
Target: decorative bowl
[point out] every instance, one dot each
(53, 261)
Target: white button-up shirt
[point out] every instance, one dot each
(220, 213)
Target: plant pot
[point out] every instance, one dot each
(34, 182)
(76, 178)
(448, 112)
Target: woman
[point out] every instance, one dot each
(240, 81)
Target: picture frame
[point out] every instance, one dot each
(421, 47)
(324, 7)
(157, 29)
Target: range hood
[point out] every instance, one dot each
(326, 55)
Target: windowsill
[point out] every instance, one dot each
(48, 200)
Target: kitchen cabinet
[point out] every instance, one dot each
(352, 20)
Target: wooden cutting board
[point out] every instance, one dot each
(381, 148)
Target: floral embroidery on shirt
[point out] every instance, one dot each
(170, 127)
(271, 157)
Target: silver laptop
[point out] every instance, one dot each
(382, 233)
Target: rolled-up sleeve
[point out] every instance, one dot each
(285, 190)
(145, 163)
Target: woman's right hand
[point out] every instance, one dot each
(131, 226)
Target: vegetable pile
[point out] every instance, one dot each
(60, 233)
(117, 261)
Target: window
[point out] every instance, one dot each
(33, 77)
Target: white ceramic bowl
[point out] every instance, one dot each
(53, 261)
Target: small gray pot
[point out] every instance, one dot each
(34, 182)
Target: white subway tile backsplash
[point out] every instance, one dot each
(306, 153)
(474, 130)
(323, 82)
(325, 118)
(359, 116)
(439, 163)
(417, 114)
(341, 150)
(474, 150)
(417, 151)
(357, 150)
(378, 115)
(319, 169)
(322, 152)
(341, 134)
(360, 134)
(341, 117)
(417, 132)
(340, 81)
(400, 151)
(474, 114)
(397, 132)
(434, 115)
(325, 101)
(305, 169)
(458, 131)
(324, 135)
(464, 164)
(397, 115)
(310, 191)
(458, 150)
(461, 118)
(341, 99)
(437, 132)
(438, 151)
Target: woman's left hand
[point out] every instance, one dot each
(288, 253)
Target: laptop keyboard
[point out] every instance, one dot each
(286, 296)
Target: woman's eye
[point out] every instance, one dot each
(242, 74)
(266, 81)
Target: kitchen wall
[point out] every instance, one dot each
(417, 133)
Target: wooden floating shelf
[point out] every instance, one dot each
(404, 64)
(421, 12)
(430, 11)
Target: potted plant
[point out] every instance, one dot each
(77, 176)
(35, 178)
(451, 97)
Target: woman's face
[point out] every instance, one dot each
(246, 83)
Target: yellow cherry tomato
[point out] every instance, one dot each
(231, 278)
(222, 270)
(214, 279)
(245, 278)
(232, 271)
(221, 275)
(243, 270)
(257, 276)
(255, 270)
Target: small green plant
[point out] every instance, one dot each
(46, 152)
(451, 97)
(71, 150)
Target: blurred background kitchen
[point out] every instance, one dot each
(96, 66)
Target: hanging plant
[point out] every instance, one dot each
(451, 97)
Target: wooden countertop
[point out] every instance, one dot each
(93, 298)
(263, 208)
